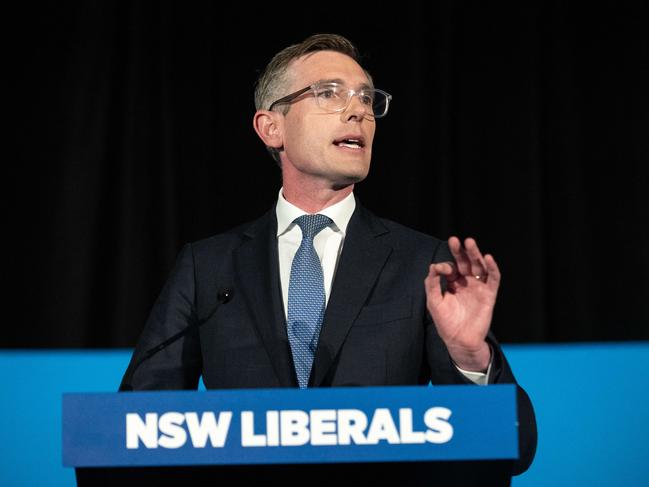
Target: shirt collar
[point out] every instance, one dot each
(340, 213)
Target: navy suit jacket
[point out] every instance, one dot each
(376, 330)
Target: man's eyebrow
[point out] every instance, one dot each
(362, 86)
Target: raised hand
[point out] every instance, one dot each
(462, 314)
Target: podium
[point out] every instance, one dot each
(414, 435)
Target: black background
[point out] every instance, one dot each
(522, 124)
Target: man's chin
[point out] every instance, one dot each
(341, 186)
(353, 173)
(349, 179)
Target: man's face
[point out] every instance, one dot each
(314, 140)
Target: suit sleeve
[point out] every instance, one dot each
(178, 366)
(443, 371)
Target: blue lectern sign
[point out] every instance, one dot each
(290, 426)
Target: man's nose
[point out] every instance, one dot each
(356, 110)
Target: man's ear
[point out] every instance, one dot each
(269, 127)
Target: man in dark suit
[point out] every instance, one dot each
(381, 304)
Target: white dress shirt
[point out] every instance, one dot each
(328, 245)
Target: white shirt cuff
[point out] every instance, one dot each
(480, 378)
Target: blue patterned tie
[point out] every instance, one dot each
(306, 298)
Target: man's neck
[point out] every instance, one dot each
(313, 200)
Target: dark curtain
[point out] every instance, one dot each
(524, 125)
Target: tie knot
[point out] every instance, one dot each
(311, 225)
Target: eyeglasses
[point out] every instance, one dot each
(334, 97)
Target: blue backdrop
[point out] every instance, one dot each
(591, 401)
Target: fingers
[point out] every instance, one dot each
(493, 272)
(433, 282)
(476, 260)
(433, 287)
(470, 261)
(461, 259)
(471, 272)
(446, 269)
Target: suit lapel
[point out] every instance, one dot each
(361, 261)
(258, 270)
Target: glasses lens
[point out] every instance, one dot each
(331, 97)
(380, 103)
(334, 97)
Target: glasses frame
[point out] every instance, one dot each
(350, 93)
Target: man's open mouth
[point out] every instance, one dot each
(350, 142)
